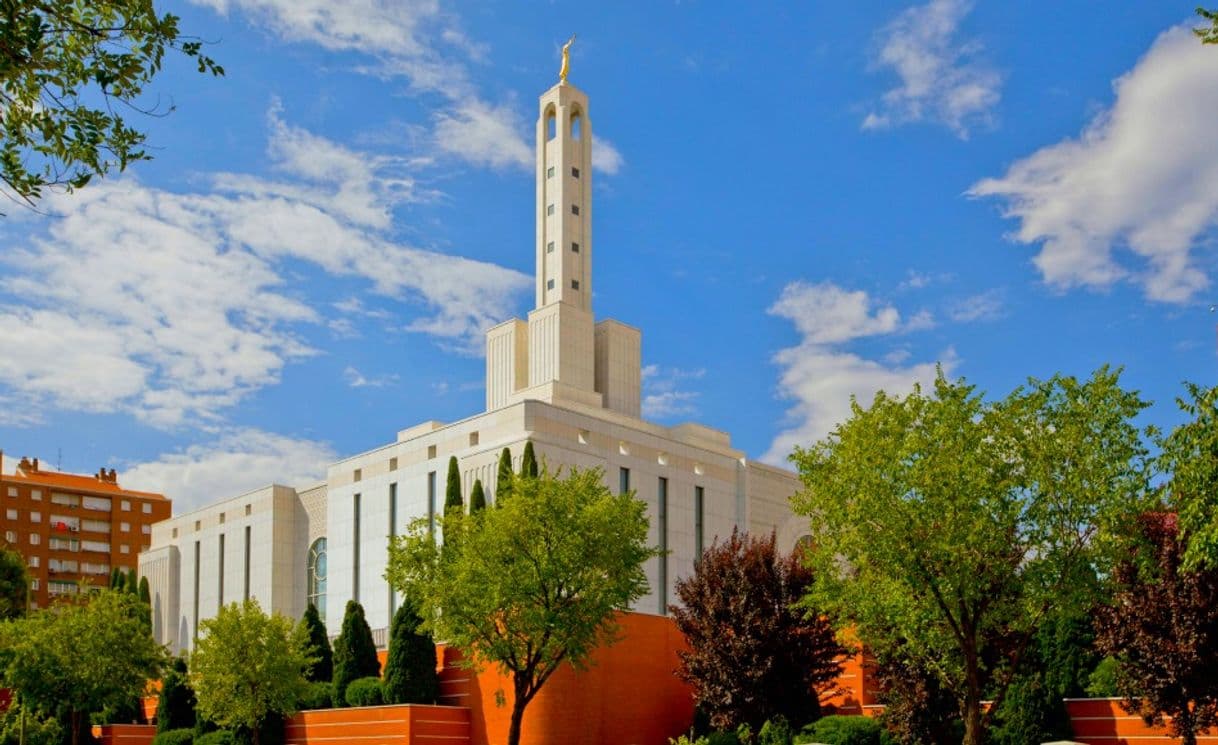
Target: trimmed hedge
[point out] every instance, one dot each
(320, 695)
(365, 692)
(219, 737)
(175, 737)
(843, 730)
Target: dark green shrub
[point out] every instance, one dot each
(219, 737)
(504, 476)
(1103, 680)
(354, 652)
(528, 462)
(410, 669)
(175, 737)
(39, 730)
(365, 692)
(452, 488)
(319, 696)
(312, 629)
(843, 730)
(477, 497)
(175, 708)
(775, 731)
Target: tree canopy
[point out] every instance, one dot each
(947, 529)
(1162, 627)
(753, 655)
(82, 657)
(69, 73)
(14, 584)
(1188, 461)
(533, 584)
(1208, 35)
(247, 666)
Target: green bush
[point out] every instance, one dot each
(365, 692)
(1103, 680)
(742, 735)
(219, 737)
(843, 730)
(175, 708)
(38, 730)
(775, 731)
(175, 737)
(687, 740)
(320, 695)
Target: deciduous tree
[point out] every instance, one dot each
(531, 585)
(80, 657)
(410, 668)
(1208, 35)
(67, 71)
(246, 667)
(354, 652)
(14, 584)
(1163, 629)
(753, 655)
(1188, 459)
(948, 528)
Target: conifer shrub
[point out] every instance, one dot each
(183, 736)
(365, 692)
(320, 695)
(317, 645)
(477, 497)
(528, 462)
(175, 708)
(504, 476)
(410, 669)
(354, 652)
(452, 489)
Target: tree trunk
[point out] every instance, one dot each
(255, 732)
(972, 698)
(74, 720)
(520, 699)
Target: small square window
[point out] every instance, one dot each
(146, 508)
(393, 464)
(12, 491)
(10, 514)
(247, 510)
(549, 209)
(221, 518)
(36, 495)
(35, 539)
(124, 527)
(10, 536)
(198, 525)
(550, 172)
(575, 248)
(431, 451)
(575, 284)
(34, 584)
(35, 517)
(575, 172)
(473, 438)
(358, 475)
(549, 284)
(550, 247)
(146, 529)
(124, 549)
(125, 505)
(575, 209)
(35, 562)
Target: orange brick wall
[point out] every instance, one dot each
(1103, 721)
(124, 734)
(403, 724)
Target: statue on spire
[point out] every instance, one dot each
(566, 61)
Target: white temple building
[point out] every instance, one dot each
(562, 379)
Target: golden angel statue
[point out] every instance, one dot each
(566, 60)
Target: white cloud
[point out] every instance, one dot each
(1140, 183)
(820, 377)
(484, 135)
(984, 306)
(664, 396)
(176, 306)
(357, 379)
(238, 461)
(941, 78)
(605, 157)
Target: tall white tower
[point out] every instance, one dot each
(561, 353)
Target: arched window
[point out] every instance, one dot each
(317, 576)
(577, 122)
(551, 124)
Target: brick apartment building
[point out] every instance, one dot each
(72, 528)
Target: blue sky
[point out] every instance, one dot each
(795, 202)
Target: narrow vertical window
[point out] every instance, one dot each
(393, 531)
(575, 209)
(699, 494)
(247, 563)
(623, 480)
(575, 172)
(662, 527)
(316, 587)
(355, 554)
(431, 503)
(220, 573)
(196, 603)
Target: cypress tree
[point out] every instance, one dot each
(116, 578)
(354, 652)
(452, 498)
(145, 592)
(477, 497)
(317, 645)
(410, 670)
(528, 462)
(132, 585)
(503, 480)
(175, 707)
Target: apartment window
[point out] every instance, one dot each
(146, 529)
(10, 536)
(317, 576)
(550, 247)
(94, 526)
(96, 503)
(393, 464)
(431, 503)
(431, 451)
(662, 526)
(549, 209)
(575, 209)
(550, 172)
(355, 553)
(575, 248)
(699, 496)
(71, 500)
(35, 539)
(35, 562)
(623, 480)
(10, 514)
(35, 584)
(12, 491)
(549, 284)
(35, 517)
(247, 563)
(125, 505)
(575, 172)
(36, 495)
(195, 620)
(358, 475)
(124, 527)
(393, 531)
(124, 549)
(220, 574)
(146, 508)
